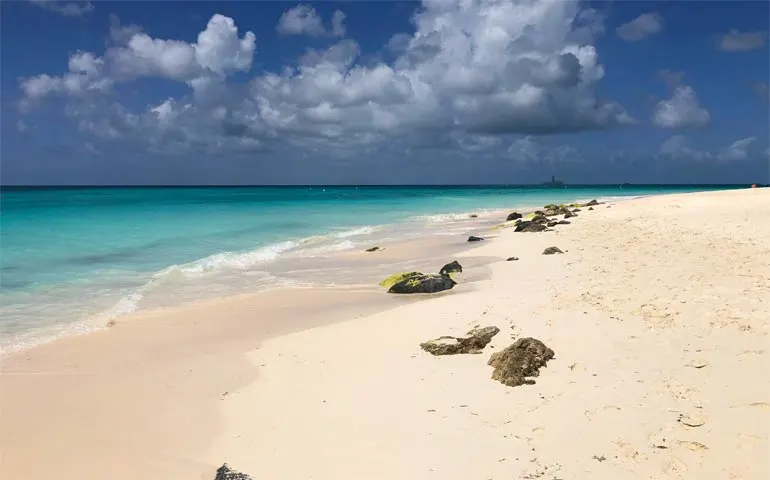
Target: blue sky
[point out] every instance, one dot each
(441, 91)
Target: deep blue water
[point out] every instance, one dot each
(68, 254)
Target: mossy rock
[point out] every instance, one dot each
(422, 283)
(397, 278)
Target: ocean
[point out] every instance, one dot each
(72, 259)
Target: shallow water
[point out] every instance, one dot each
(72, 259)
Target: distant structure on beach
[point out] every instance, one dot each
(553, 182)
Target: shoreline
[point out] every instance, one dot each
(192, 387)
(461, 221)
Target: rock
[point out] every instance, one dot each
(575, 210)
(474, 343)
(396, 278)
(373, 249)
(563, 222)
(521, 360)
(551, 251)
(473, 215)
(590, 208)
(553, 209)
(539, 219)
(474, 239)
(512, 259)
(591, 203)
(422, 283)
(552, 224)
(527, 226)
(453, 267)
(226, 473)
(513, 216)
(570, 214)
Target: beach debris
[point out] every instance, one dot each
(396, 278)
(423, 283)
(473, 343)
(528, 226)
(522, 359)
(512, 259)
(473, 215)
(569, 214)
(698, 363)
(513, 216)
(693, 420)
(449, 268)
(474, 239)
(373, 249)
(226, 473)
(552, 251)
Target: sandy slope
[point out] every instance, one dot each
(658, 314)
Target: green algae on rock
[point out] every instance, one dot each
(523, 359)
(423, 283)
(396, 278)
(473, 343)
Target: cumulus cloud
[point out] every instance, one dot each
(738, 150)
(304, 20)
(678, 147)
(682, 110)
(68, 9)
(641, 27)
(470, 73)
(735, 41)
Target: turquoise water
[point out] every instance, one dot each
(69, 256)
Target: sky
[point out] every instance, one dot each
(383, 92)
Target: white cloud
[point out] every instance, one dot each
(682, 110)
(641, 27)
(338, 27)
(678, 147)
(735, 41)
(739, 150)
(471, 72)
(301, 20)
(68, 9)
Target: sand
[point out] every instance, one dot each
(658, 312)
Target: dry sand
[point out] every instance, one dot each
(658, 313)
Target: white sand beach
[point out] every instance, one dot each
(658, 313)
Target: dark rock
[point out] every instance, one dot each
(552, 224)
(373, 249)
(551, 251)
(575, 210)
(473, 215)
(591, 203)
(512, 259)
(527, 226)
(563, 222)
(475, 342)
(474, 239)
(451, 268)
(553, 209)
(226, 473)
(570, 214)
(422, 283)
(590, 208)
(539, 219)
(513, 216)
(521, 360)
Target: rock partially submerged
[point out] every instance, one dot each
(450, 268)
(423, 283)
(373, 249)
(513, 216)
(552, 251)
(473, 343)
(521, 360)
(527, 226)
(226, 473)
(474, 239)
